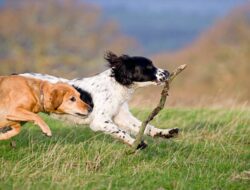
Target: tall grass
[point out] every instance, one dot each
(212, 152)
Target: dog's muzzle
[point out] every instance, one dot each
(162, 76)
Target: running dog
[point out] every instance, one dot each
(23, 97)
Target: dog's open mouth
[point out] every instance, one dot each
(161, 81)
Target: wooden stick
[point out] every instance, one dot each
(159, 107)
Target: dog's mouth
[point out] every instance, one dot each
(81, 115)
(160, 82)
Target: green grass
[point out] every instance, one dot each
(211, 152)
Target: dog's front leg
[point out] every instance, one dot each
(108, 127)
(24, 115)
(126, 120)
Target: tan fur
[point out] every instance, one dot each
(21, 98)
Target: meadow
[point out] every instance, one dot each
(211, 152)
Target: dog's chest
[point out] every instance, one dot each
(108, 95)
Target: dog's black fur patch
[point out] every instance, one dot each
(85, 96)
(126, 69)
(172, 133)
(142, 145)
(5, 129)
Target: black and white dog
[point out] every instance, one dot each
(111, 91)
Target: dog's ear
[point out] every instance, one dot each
(119, 65)
(124, 76)
(53, 96)
(114, 60)
(56, 98)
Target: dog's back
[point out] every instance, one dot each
(11, 84)
(44, 77)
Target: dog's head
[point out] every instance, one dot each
(138, 71)
(63, 98)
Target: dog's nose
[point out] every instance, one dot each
(90, 109)
(166, 73)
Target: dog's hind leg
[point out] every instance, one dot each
(125, 120)
(108, 127)
(9, 131)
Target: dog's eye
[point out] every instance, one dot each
(73, 99)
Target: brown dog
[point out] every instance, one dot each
(22, 97)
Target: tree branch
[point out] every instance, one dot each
(159, 107)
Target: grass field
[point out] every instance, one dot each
(212, 152)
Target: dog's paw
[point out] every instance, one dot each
(5, 129)
(48, 134)
(142, 145)
(174, 131)
(169, 134)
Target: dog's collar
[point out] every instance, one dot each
(42, 97)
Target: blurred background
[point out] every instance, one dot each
(68, 38)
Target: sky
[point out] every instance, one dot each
(165, 25)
